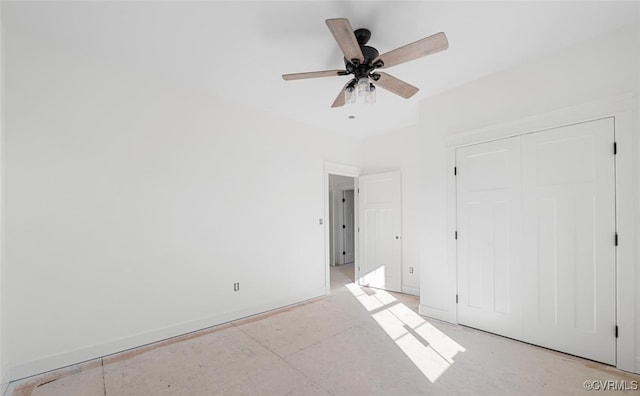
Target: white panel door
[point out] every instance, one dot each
(380, 226)
(489, 228)
(569, 231)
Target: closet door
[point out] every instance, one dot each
(536, 238)
(569, 239)
(489, 229)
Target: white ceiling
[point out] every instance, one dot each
(238, 50)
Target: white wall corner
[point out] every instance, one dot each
(438, 278)
(452, 234)
(626, 262)
(4, 384)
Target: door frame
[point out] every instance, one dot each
(332, 168)
(620, 108)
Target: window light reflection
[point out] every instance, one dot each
(430, 350)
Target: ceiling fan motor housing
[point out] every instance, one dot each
(364, 68)
(369, 53)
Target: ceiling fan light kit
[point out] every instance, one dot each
(362, 60)
(370, 97)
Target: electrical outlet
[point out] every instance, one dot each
(236, 286)
(411, 270)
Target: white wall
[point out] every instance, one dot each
(132, 206)
(4, 362)
(596, 69)
(4, 365)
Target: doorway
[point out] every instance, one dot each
(337, 179)
(342, 227)
(377, 257)
(341, 220)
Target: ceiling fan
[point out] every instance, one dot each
(362, 61)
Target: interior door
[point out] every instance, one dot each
(380, 231)
(569, 234)
(348, 226)
(489, 226)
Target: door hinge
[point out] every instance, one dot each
(456, 298)
(616, 331)
(455, 170)
(358, 229)
(358, 191)
(616, 239)
(456, 234)
(615, 148)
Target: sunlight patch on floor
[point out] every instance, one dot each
(429, 349)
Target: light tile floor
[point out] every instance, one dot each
(357, 341)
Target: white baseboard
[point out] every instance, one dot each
(437, 313)
(414, 291)
(86, 353)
